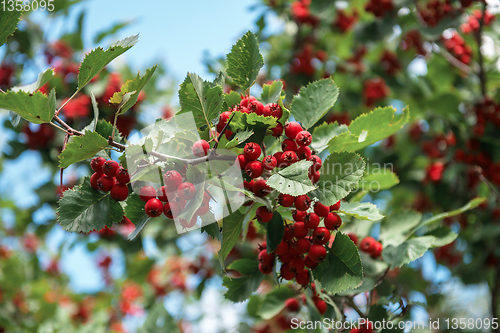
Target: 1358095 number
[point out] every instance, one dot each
(471, 323)
(26, 6)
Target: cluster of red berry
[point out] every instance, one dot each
(456, 45)
(390, 62)
(40, 137)
(374, 90)
(474, 21)
(379, 7)
(369, 245)
(301, 13)
(109, 176)
(413, 38)
(434, 11)
(302, 63)
(292, 304)
(345, 22)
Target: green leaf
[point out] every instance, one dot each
(244, 61)
(231, 230)
(314, 101)
(97, 59)
(93, 125)
(380, 181)
(395, 229)
(293, 179)
(82, 148)
(134, 210)
(340, 173)
(271, 92)
(8, 23)
(239, 289)
(367, 285)
(83, 209)
(133, 87)
(202, 98)
(275, 232)
(33, 107)
(444, 236)
(412, 249)
(323, 133)
(43, 78)
(370, 128)
(232, 98)
(105, 129)
(274, 302)
(252, 122)
(342, 269)
(239, 138)
(363, 211)
(213, 231)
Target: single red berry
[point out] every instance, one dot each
(303, 153)
(147, 193)
(119, 192)
(185, 224)
(200, 148)
(296, 264)
(303, 138)
(303, 245)
(288, 234)
(97, 163)
(94, 180)
(288, 158)
(335, 207)
(316, 162)
(265, 269)
(161, 193)
(273, 110)
(172, 179)
(105, 183)
(110, 168)
(269, 162)
(292, 129)
(321, 209)
(228, 134)
(223, 118)
(317, 253)
(252, 151)
(263, 214)
(332, 221)
(289, 144)
(245, 100)
(242, 161)
(186, 191)
(277, 130)
(285, 258)
(300, 230)
(122, 176)
(172, 209)
(204, 207)
(321, 235)
(282, 248)
(153, 208)
(260, 188)
(313, 175)
(254, 169)
(311, 220)
(266, 258)
(302, 277)
(293, 249)
(376, 250)
(309, 263)
(249, 185)
(354, 238)
(298, 215)
(367, 244)
(303, 202)
(256, 107)
(286, 200)
(286, 272)
(321, 306)
(292, 305)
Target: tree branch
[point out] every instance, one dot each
(351, 304)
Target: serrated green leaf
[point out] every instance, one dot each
(412, 249)
(133, 87)
(202, 98)
(244, 61)
(369, 128)
(43, 78)
(271, 92)
(361, 210)
(314, 101)
(95, 61)
(105, 129)
(231, 230)
(134, 208)
(83, 209)
(213, 231)
(8, 23)
(252, 122)
(394, 230)
(33, 107)
(232, 98)
(239, 138)
(380, 181)
(274, 302)
(82, 148)
(239, 289)
(293, 179)
(275, 231)
(93, 125)
(323, 133)
(341, 270)
(444, 236)
(340, 173)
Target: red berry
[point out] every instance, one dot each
(263, 214)
(260, 188)
(303, 202)
(153, 208)
(303, 138)
(97, 163)
(161, 193)
(266, 258)
(94, 180)
(172, 209)
(254, 169)
(277, 130)
(119, 192)
(269, 162)
(288, 234)
(105, 183)
(122, 176)
(282, 248)
(309, 263)
(286, 200)
(298, 215)
(314, 176)
(147, 193)
(303, 245)
(317, 253)
(186, 225)
(285, 258)
(302, 277)
(242, 161)
(256, 107)
(200, 148)
(289, 144)
(110, 168)
(252, 151)
(376, 250)
(367, 244)
(316, 162)
(172, 179)
(228, 134)
(321, 306)
(321, 209)
(293, 249)
(265, 269)
(288, 158)
(292, 305)
(186, 191)
(223, 118)
(286, 272)
(333, 221)
(273, 110)
(304, 153)
(249, 185)
(311, 220)
(335, 207)
(354, 238)
(204, 207)
(245, 100)
(292, 129)
(297, 264)
(321, 235)
(300, 230)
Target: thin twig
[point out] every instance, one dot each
(351, 304)
(223, 131)
(67, 101)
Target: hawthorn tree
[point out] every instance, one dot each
(280, 183)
